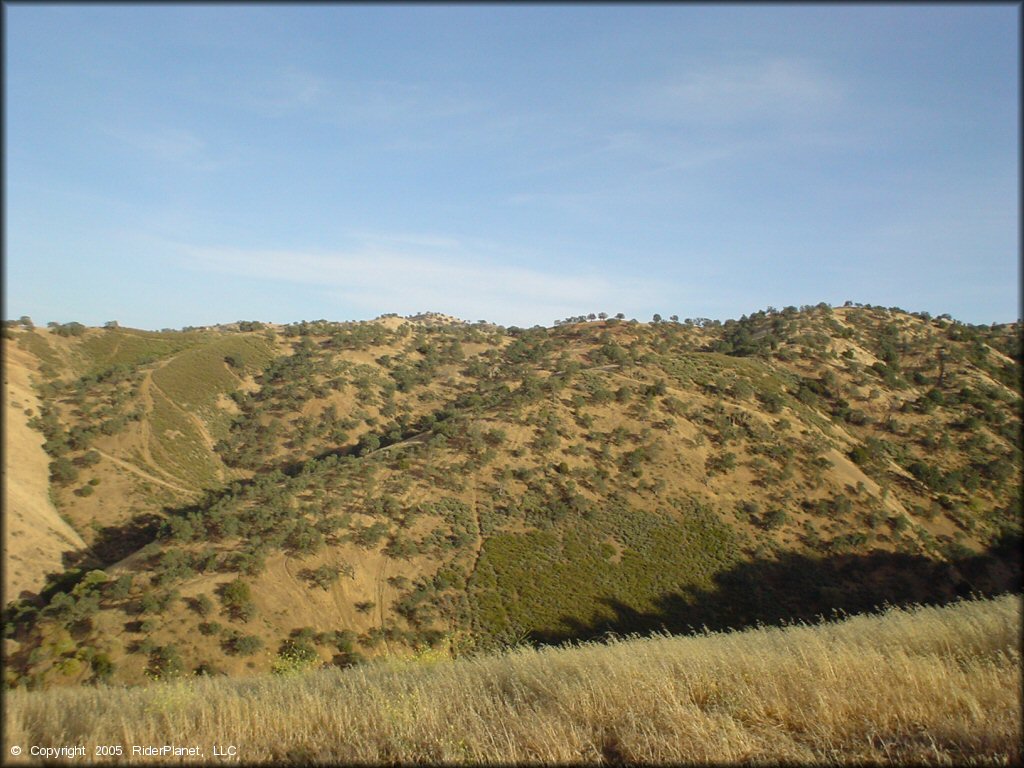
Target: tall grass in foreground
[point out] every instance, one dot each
(935, 685)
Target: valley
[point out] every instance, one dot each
(250, 497)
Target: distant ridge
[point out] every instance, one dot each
(435, 318)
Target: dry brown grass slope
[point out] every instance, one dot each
(35, 535)
(921, 685)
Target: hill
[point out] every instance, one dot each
(36, 538)
(918, 686)
(250, 494)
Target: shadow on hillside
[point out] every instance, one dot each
(113, 543)
(804, 588)
(116, 542)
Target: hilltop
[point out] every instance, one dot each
(252, 496)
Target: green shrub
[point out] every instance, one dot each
(119, 588)
(102, 667)
(294, 657)
(165, 662)
(62, 471)
(244, 645)
(203, 605)
(553, 581)
(237, 599)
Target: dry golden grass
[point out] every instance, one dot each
(35, 535)
(931, 685)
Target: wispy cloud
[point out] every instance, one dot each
(388, 101)
(410, 273)
(656, 153)
(177, 147)
(288, 89)
(770, 90)
(378, 102)
(581, 204)
(685, 125)
(708, 114)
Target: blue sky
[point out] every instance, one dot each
(185, 165)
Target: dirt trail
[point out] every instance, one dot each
(294, 580)
(145, 435)
(381, 576)
(479, 529)
(417, 438)
(200, 427)
(204, 434)
(142, 473)
(146, 388)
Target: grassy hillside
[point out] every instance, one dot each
(36, 539)
(917, 686)
(347, 490)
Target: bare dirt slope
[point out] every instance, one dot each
(35, 536)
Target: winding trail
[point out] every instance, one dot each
(142, 473)
(196, 422)
(479, 531)
(381, 575)
(291, 575)
(145, 433)
(147, 388)
(417, 438)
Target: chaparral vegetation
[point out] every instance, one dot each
(255, 500)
